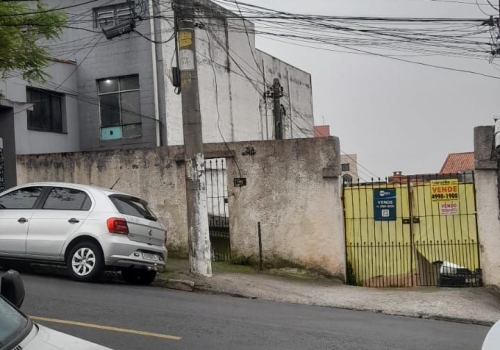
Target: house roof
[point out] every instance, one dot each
(458, 162)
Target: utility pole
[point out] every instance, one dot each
(276, 93)
(196, 191)
(2, 173)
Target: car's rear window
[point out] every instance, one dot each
(132, 206)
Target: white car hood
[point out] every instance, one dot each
(43, 338)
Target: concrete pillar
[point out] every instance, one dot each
(489, 225)
(487, 199)
(7, 133)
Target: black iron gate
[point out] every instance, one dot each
(412, 231)
(218, 209)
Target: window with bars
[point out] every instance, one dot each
(110, 16)
(346, 167)
(47, 113)
(120, 107)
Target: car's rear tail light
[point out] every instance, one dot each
(117, 225)
(165, 241)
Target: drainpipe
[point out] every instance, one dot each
(155, 72)
(290, 103)
(265, 99)
(497, 149)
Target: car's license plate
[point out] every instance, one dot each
(149, 256)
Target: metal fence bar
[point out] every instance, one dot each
(441, 250)
(2, 171)
(478, 270)
(220, 238)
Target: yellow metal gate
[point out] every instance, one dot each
(412, 231)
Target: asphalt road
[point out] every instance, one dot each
(217, 322)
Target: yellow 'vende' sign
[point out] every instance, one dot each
(444, 190)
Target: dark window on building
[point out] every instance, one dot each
(67, 199)
(110, 16)
(24, 198)
(346, 167)
(120, 107)
(47, 113)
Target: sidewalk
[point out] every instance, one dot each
(467, 305)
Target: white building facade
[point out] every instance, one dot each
(109, 94)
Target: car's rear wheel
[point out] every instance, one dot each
(138, 276)
(85, 262)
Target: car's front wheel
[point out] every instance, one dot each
(138, 276)
(85, 262)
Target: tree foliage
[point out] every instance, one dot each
(23, 29)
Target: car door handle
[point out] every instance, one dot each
(22, 220)
(73, 221)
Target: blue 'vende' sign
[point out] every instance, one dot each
(384, 204)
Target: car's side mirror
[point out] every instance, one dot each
(492, 341)
(12, 288)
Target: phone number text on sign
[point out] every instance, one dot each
(444, 190)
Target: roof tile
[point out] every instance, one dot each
(458, 162)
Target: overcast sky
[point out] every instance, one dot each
(394, 115)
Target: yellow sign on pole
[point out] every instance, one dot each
(185, 39)
(444, 190)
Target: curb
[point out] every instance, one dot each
(186, 285)
(424, 316)
(190, 286)
(212, 291)
(197, 287)
(183, 285)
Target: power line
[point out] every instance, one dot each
(153, 41)
(447, 1)
(217, 103)
(481, 9)
(79, 64)
(49, 10)
(311, 127)
(455, 44)
(303, 29)
(248, 37)
(268, 13)
(373, 174)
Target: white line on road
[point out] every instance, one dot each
(105, 328)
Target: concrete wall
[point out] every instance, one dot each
(30, 141)
(488, 225)
(487, 199)
(99, 58)
(293, 189)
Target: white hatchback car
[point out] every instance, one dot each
(89, 229)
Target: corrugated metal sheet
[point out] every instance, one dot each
(458, 162)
